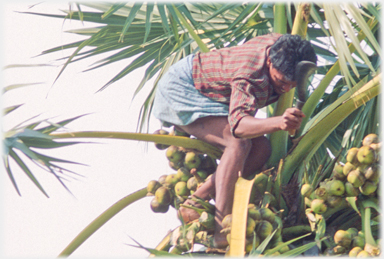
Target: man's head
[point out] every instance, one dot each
(283, 57)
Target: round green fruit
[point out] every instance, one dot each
(350, 190)
(192, 184)
(163, 195)
(368, 188)
(353, 231)
(251, 224)
(321, 193)
(183, 174)
(372, 173)
(181, 189)
(348, 167)
(336, 187)
(339, 249)
(369, 139)
(227, 221)
(342, 238)
(174, 154)
(253, 212)
(171, 180)
(356, 178)
(161, 132)
(354, 251)
(318, 206)
(352, 155)
(358, 241)
(263, 229)
(157, 207)
(363, 254)
(334, 201)
(152, 186)
(267, 214)
(306, 190)
(162, 179)
(366, 155)
(192, 160)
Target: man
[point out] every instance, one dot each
(214, 96)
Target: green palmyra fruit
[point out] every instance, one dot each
(334, 201)
(338, 173)
(260, 182)
(306, 190)
(369, 139)
(251, 225)
(348, 167)
(227, 221)
(356, 178)
(318, 206)
(358, 241)
(342, 238)
(192, 184)
(336, 187)
(353, 231)
(368, 188)
(161, 132)
(372, 173)
(162, 179)
(171, 180)
(157, 207)
(354, 251)
(174, 154)
(321, 193)
(192, 160)
(263, 229)
(352, 155)
(175, 166)
(267, 214)
(339, 249)
(152, 186)
(183, 174)
(253, 212)
(163, 195)
(363, 253)
(207, 220)
(181, 189)
(366, 155)
(350, 190)
(202, 174)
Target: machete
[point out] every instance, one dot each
(304, 69)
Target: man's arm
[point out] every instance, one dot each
(250, 127)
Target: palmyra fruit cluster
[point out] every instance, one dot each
(356, 178)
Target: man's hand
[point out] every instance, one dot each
(291, 119)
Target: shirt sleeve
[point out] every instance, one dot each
(242, 103)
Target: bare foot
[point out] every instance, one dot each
(187, 214)
(220, 240)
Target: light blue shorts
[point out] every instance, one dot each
(178, 102)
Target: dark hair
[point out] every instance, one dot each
(289, 50)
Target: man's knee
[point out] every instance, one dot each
(262, 143)
(240, 145)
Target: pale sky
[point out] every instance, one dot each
(36, 226)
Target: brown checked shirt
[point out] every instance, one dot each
(237, 76)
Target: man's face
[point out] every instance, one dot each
(279, 82)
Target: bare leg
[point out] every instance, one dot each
(239, 155)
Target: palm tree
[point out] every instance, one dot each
(343, 94)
